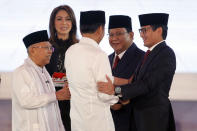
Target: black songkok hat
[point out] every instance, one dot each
(92, 17)
(154, 19)
(35, 37)
(119, 21)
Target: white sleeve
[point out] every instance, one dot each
(27, 94)
(102, 68)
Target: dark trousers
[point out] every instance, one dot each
(64, 107)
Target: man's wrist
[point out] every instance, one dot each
(117, 91)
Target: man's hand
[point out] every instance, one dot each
(116, 107)
(121, 81)
(125, 102)
(131, 78)
(106, 87)
(64, 93)
(119, 105)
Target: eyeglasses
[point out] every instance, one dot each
(118, 34)
(144, 30)
(51, 48)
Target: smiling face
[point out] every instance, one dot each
(120, 39)
(150, 36)
(63, 24)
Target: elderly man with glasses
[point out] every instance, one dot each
(34, 100)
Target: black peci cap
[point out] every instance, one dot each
(119, 21)
(92, 17)
(35, 37)
(154, 19)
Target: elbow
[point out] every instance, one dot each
(25, 104)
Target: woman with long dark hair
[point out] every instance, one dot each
(63, 29)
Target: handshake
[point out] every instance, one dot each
(64, 93)
(60, 80)
(109, 88)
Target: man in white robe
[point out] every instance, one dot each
(34, 100)
(86, 64)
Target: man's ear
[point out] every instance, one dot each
(31, 50)
(131, 34)
(100, 29)
(160, 30)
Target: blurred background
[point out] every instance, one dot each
(21, 17)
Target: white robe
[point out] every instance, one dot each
(34, 104)
(86, 64)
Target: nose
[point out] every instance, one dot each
(114, 37)
(63, 21)
(50, 52)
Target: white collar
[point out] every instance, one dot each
(86, 40)
(34, 64)
(151, 48)
(120, 55)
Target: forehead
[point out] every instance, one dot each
(44, 43)
(117, 30)
(61, 13)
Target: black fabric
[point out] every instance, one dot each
(65, 112)
(153, 19)
(149, 91)
(92, 17)
(57, 65)
(119, 21)
(35, 37)
(125, 69)
(57, 59)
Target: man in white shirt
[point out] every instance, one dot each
(86, 64)
(34, 100)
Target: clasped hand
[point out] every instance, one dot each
(64, 93)
(108, 87)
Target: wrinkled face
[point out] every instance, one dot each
(63, 23)
(41, 53)
(149, 36)
(120, 39)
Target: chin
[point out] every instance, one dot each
(116, 48)
(146, 44)
(65, 32)
(47, 62)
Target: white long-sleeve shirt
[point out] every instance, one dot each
(86, 64)
(34, 104)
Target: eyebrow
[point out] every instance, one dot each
(62, 17)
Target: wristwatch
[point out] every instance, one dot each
(117, 91)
